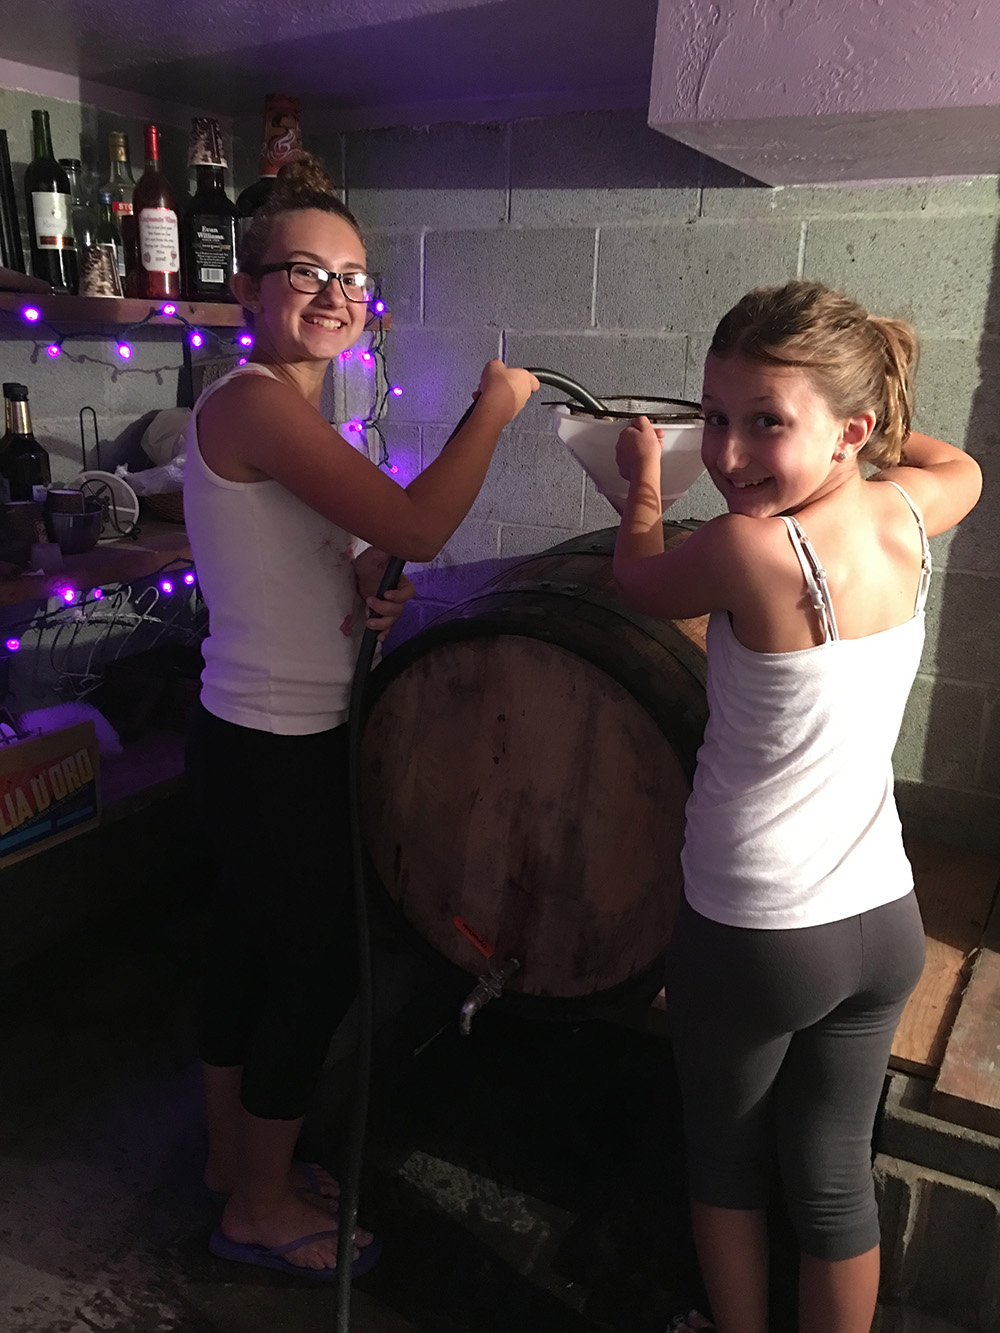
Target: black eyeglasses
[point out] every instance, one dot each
(310, 280)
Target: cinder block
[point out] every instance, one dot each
(970, 820)
(597, 512)
(894, 1192)
(956, 391)
(475, 541)
(403, 445)
(728, 195)
(539, 278)
(963, 627)
(602, 166)
(951, 1250)
(447, 175)
(682, 278)
(940, 737)
(518, 539)
(532, 480)
(937, 272)
(603, 363)
(438, 370)
(396, 257)
(977, 195)
(988, 774)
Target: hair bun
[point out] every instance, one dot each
(306, 175)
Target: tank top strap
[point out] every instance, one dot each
(815, 577)
(925, 549)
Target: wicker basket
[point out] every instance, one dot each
(168, 505)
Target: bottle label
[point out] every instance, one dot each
(53, 228)
(212, 251)
(121, 207)
(158, 241)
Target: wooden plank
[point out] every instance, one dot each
(967, 1090)
(158, 543)
(955, 890)
(62, 309)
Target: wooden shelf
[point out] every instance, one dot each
(157, 544)
(63, 310)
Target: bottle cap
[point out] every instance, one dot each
(17, 393)
(205, 145)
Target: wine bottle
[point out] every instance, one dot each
(120, 185)
(50, 226)
(282, 143)
(24, 464)
(208, 228)
(84, 219)
(108, 231)
(158, 269)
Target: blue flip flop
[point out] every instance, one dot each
(264, 1257)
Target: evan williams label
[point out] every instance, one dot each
(158, 241)
(33, 793)
(53, 229)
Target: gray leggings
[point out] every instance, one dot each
(782, 1038)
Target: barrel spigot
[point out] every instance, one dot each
(489, 987)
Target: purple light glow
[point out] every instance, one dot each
(396, 391)
(189, 578)
(367, 358)
(13, 645)
(31, 313)
(195, 338)
(379, 307)
(246, 339)
(68, 595)
(124, 351)
(346, 356)
(167, 587)
(168, 309)
(53, 350)
(98, 594)
(394, 468)
(242, 361)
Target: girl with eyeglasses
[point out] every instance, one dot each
(274, 501)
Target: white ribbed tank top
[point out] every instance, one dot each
(792, 820)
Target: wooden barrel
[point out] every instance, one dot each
(526, 760)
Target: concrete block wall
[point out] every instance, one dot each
(595, 246)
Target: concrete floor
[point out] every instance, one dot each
(525, 1180)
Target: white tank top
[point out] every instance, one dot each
(285, 618)
(792, 821)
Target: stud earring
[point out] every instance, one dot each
(841, 456)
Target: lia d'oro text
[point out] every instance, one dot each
(30, 796)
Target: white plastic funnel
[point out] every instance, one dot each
(591, 440)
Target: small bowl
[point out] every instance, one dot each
(64, 502)
(76, 533)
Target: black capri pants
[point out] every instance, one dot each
(280, 954)
(782, 1039)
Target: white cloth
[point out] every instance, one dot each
(285, 618)
(792, 820)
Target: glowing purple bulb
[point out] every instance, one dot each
(242, 361)
(189, 578)
(98, 594)
(379, 307)
(124, 351)
(53, 350)
(396, 391)
(367, 358)
(246, 339)
(13, 645)
(168, 309)
(196, 339)
(394, 468)
(346, 356)
(31, 313)
(68, 595)
(167, 587)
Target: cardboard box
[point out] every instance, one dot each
(50, 789)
